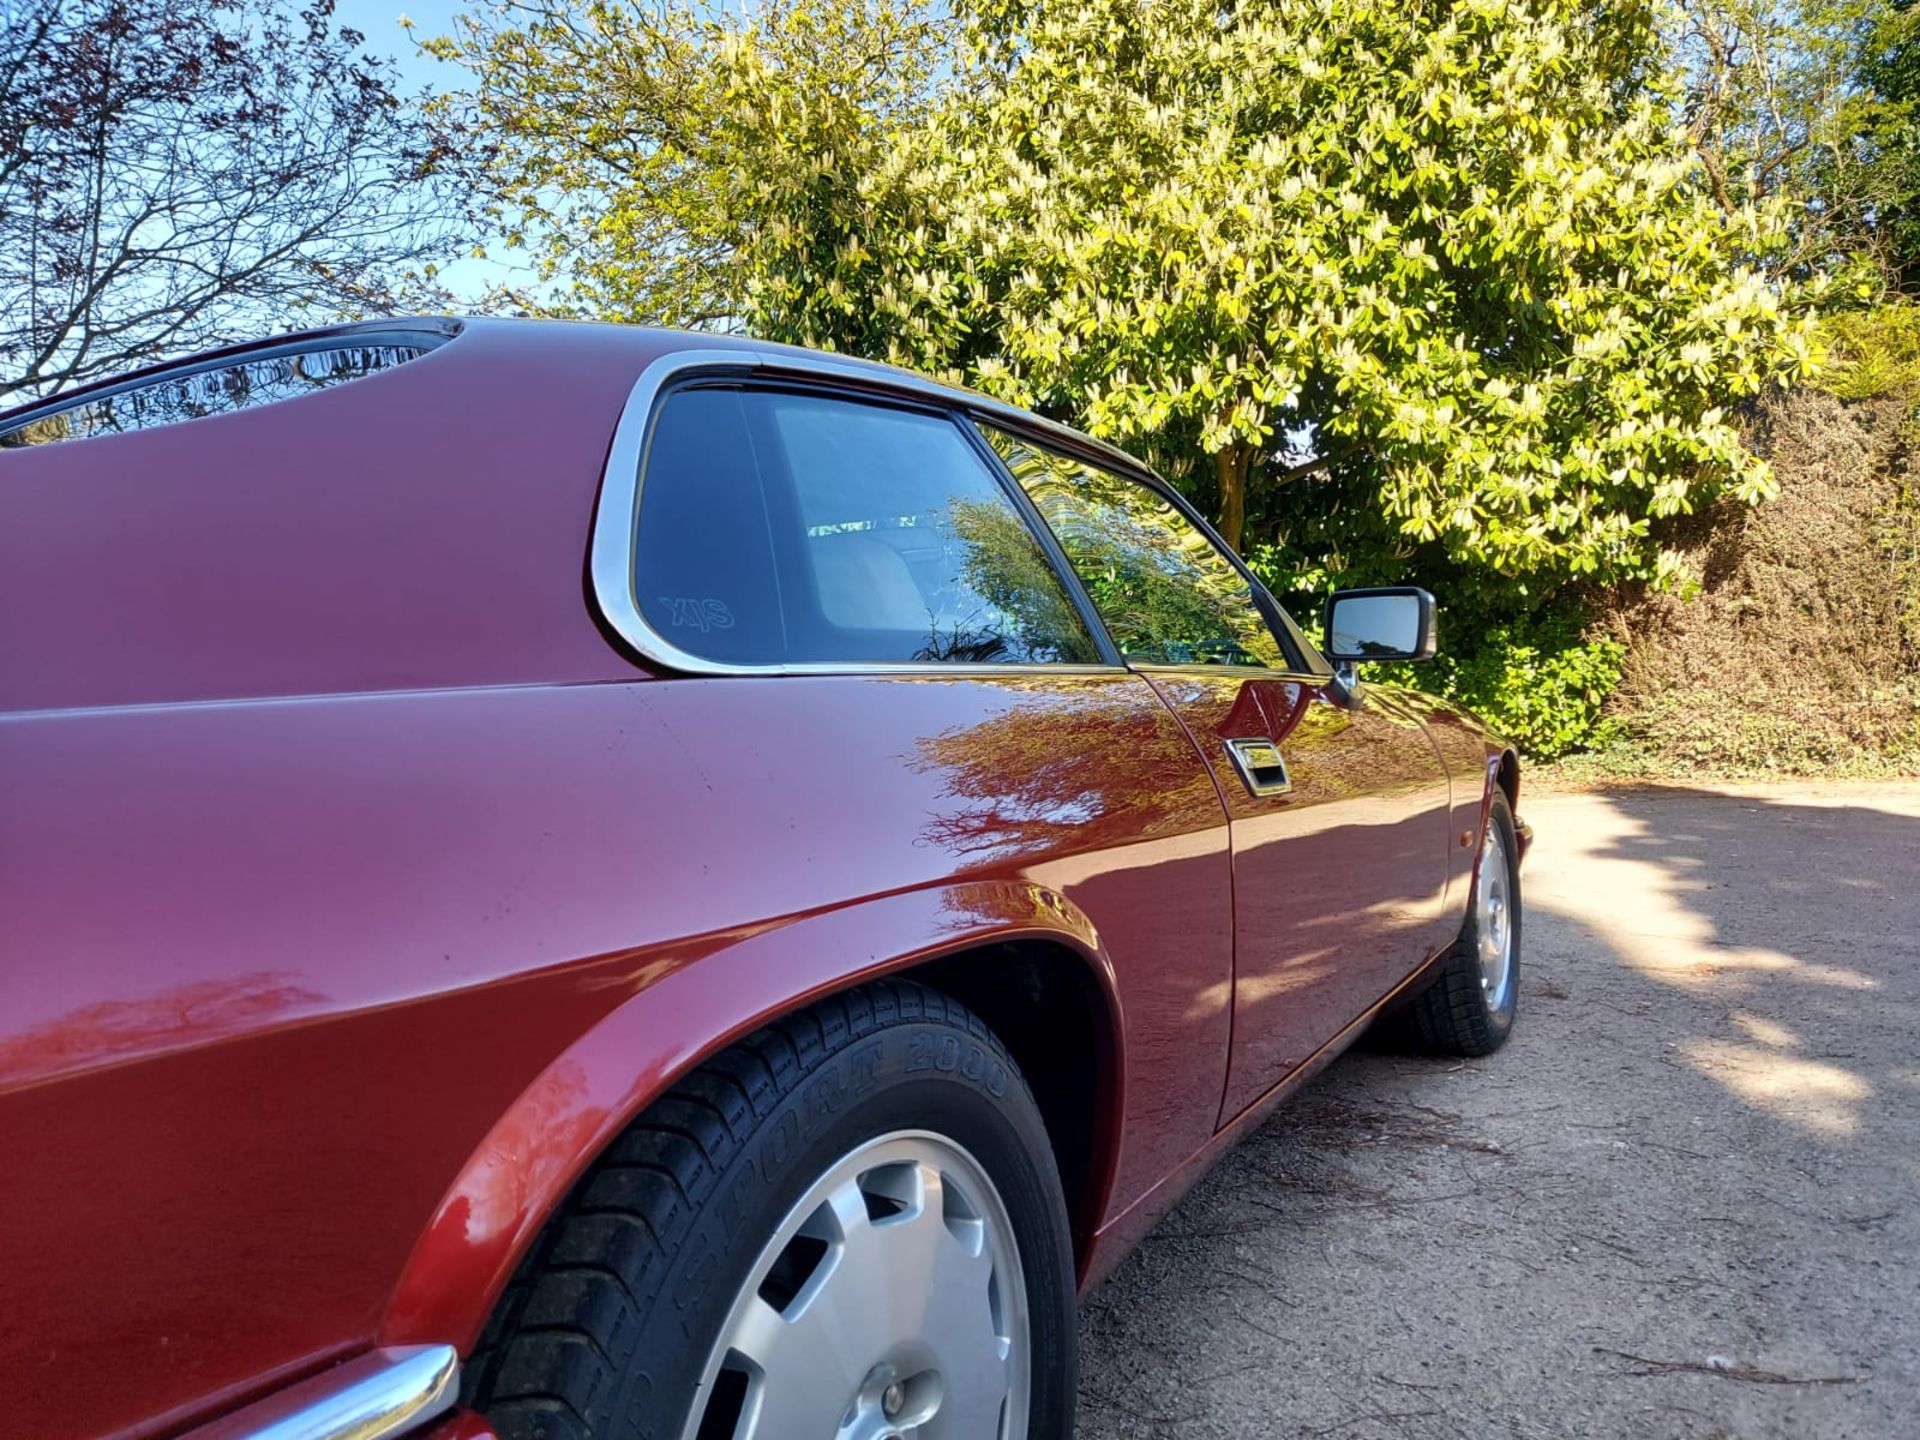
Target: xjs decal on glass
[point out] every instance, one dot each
(701, 615)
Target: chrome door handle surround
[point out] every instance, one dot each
(1260, 764)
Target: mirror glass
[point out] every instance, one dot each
(1375, 627)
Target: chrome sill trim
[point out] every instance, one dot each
(370, 1397)
(617, 516)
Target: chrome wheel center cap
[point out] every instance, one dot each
(888, 1409)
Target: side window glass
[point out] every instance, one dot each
(1166, 592)
(788, 528)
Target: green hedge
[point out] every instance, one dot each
(1539, 681)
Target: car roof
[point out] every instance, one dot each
(422, 527)
(533, 338)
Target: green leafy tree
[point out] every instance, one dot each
(1456, 252)
(659, 162)
(1891, 67)
(1807, 102)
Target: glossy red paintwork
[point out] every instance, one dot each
(461, 1425)
(354, 888)
(1322, 930)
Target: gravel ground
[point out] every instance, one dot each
(1681, 1202)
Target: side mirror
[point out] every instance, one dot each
(1393, 623)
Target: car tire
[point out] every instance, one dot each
(864, 1185)
(1470, 1007)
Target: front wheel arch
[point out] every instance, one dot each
(1468, 1009)
(1507, 777)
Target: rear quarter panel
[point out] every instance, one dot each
(421, 528)
(294, 983)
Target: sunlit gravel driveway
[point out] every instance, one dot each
(1684, 1201)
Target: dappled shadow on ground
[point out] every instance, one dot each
(1679, 1203)
(1786, 927)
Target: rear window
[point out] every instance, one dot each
(783, 527)
(193, 392)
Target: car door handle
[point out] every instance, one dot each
(1261, 765)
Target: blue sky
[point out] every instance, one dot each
(379, 20)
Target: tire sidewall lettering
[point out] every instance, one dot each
(949, 1054)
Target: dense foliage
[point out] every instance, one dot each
(1873, 353)
(1541, 677)
(1434, 244)
(1794, 645)
(1890, 75)
(1434, 291)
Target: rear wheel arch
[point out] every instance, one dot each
(1043, 1001)
(719, 1205)
(1047, 993)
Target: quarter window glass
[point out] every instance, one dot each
(198, 391)
(1167, 593)
(785, 528)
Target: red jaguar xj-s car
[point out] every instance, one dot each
(571, 881)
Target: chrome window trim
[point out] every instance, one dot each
(370, 1397)
(793, 361)
(617, 514)
(1217, 669)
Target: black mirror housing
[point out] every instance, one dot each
(1392, 622)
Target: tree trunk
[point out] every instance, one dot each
(1230, 465)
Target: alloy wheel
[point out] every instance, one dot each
(1493, 921)
(889, 1305)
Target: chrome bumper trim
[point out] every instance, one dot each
(370, 1397)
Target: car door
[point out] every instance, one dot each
(1337, 803)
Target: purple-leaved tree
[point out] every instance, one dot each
(175, 173)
